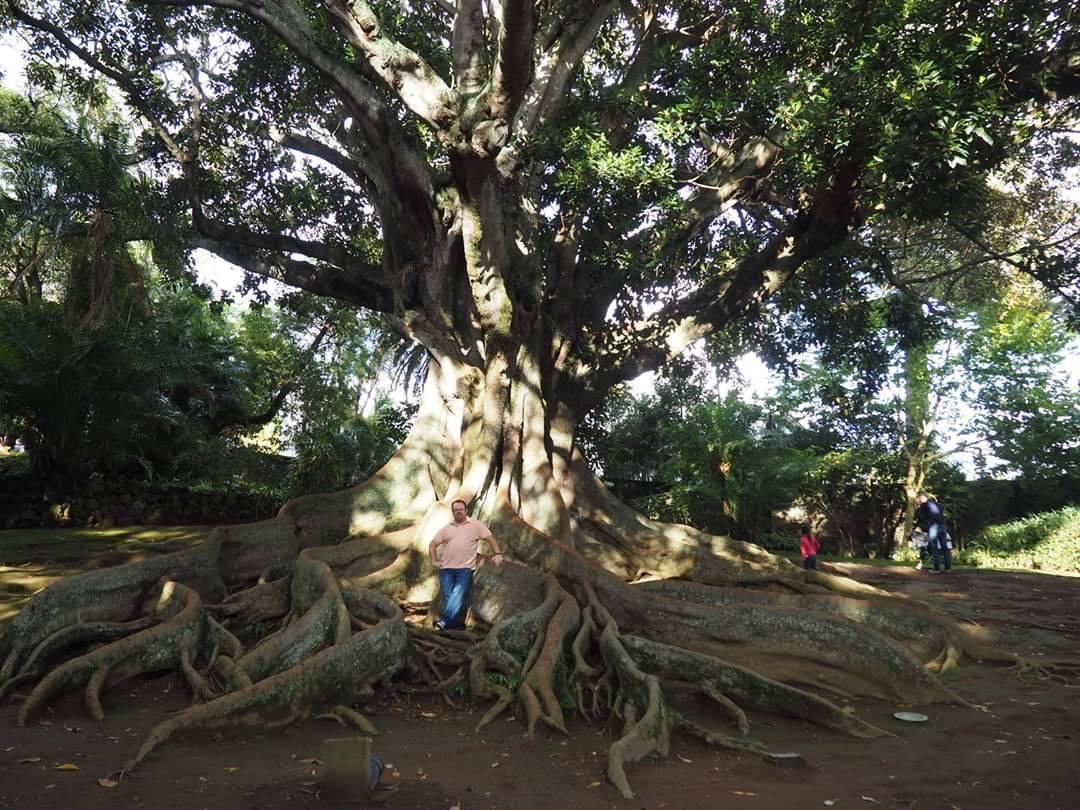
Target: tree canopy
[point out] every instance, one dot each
(633, 175)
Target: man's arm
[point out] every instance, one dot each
(496, 556)
(433, 546)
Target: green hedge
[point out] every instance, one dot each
(1049, 541)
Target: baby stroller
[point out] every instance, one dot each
(920, 541)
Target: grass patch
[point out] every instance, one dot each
(22, 546)
(31, 559)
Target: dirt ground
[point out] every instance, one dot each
(1024, 752)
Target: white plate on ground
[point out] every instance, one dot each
(911, 717)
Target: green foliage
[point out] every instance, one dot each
(1046, 542)
(332, 455)
(170, 397)
(103, 401)
(719, 464)
(1023, 400)
(74, 210)
(779, 543)
(731, 464)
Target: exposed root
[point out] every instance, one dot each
(639, 702)
(156, 648)
(200, 688)
(338, 674)
(108, 595)
(1064, 672)
(715, 737)
(14, 683)
(564, 630)
(261, 603)
(223, 640)
(505, 649)
(825, 650)
(537, 692)
(92, 694)
(727, 704)
(77, 634)
(745, 687)
(323, 620)
(934, 637)
(349, 717)
(234, 678)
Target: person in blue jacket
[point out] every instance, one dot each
(930, 517)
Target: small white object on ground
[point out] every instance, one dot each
(911, 717)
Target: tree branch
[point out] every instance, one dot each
(647, 345)
(360, 172)
(403, 71)
(343, 285)
(514, 59)
(136, 94)
(563, 49)
(1024, 267)
(468, 44)
(1049, 76)
(732, 178)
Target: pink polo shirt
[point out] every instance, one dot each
(462, 540)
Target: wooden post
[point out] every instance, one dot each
(347, 767)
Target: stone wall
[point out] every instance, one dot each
(28, 503)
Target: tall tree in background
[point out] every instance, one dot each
(550, 198)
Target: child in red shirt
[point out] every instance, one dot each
(809, 546)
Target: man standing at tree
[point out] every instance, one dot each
(460, 540)
(930, 517)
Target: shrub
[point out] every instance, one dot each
(1049, 541)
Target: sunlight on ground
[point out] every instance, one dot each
(31, 559)
(20, 546)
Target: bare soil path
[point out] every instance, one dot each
(1024, 752)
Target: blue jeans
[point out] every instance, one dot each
(455, 584)
(810, 563)
(939, 547)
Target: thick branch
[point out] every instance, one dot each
(468, 45)
(356, 170)
(732, 178)
(558, 63)
(514, 61)
(403, 70)
(647, 345)
(341, 284)
(289, 22)
(1049, 76)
